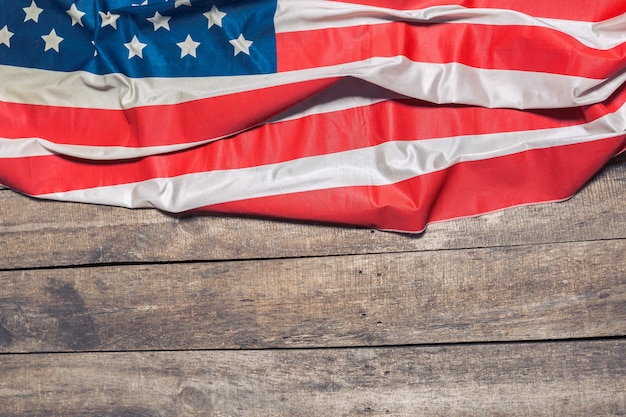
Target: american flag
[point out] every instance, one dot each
(366, 112)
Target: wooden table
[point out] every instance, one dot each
(113, 312)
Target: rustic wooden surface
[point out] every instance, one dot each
(113, 312)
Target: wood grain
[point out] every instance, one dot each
(531, 292)
(43, 233)
(539, 379)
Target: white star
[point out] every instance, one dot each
(52, 41)
(160, 21)
(32, 12)
(75, 14)
(188, 47)
(5, 36)
(95, 51)
(182, 3)
(145, 3)
(215, 16)
(109, 19)
(135, 48)
(241, 44)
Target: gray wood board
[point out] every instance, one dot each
(538, 379)
(531, 292)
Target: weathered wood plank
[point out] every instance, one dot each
(529, 292)
(41, 233)
(542, 379)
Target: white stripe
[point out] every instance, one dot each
(28, 147)
(437, 83)
(384, 164)
(304, 15)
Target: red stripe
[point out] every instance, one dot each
(558, 9)
(153, 125)
(481, 46)
(279, 142)
(463, 190)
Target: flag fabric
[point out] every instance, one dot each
(364, 112)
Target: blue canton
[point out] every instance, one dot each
(140, 38)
